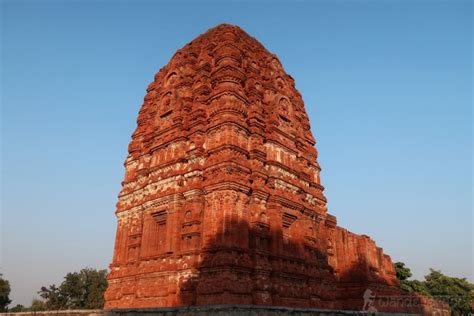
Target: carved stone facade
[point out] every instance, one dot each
(222, 202)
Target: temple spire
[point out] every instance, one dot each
(221, 201)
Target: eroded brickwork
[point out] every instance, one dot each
(222, 201)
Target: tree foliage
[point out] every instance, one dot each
(4, 294)
(414, 286)
(403, 272)
(79, 290)
(458, 293)
(53, 298)
(18, 308)
(37, 305)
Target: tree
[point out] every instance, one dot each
(79, 290)
(458, 292)
(403, 272)
(414, 286)
(18, 308)
(37, 305)
(53, 297)
(4, 294)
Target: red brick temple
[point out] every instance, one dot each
(222, 201)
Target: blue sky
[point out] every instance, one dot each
(387, 86)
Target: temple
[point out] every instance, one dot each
(222, 201)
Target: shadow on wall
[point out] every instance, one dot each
(261, 262)
(252, 264)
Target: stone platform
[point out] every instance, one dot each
(217, 310)
(236, 310)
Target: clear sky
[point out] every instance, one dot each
(387, 86)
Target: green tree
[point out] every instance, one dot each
(53, 299)
(414, 286)
(4, 294)
(403, 272)
(459, 293)
(37, 305)
(79, 290)
(18, 308)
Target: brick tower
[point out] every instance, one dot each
(222, 202)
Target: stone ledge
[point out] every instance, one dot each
(218, 310)
(237, 310)
(76, 312)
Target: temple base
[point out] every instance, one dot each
(236, 310)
